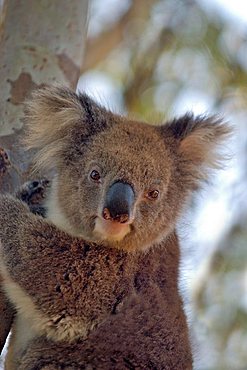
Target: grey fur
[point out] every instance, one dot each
(96, 294)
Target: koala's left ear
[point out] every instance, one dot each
(196, 141)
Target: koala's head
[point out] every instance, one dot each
(119, 182)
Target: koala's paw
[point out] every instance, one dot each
(33, 194)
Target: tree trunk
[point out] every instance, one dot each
(41, 41)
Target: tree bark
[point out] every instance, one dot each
(41, 41)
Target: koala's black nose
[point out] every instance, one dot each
(119, 202)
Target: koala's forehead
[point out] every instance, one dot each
(131, 145)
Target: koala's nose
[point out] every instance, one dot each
(119, 202)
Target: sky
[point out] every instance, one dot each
(231, 9)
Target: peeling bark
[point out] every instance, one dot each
(41, 41)
(69, 68)
(20, 88)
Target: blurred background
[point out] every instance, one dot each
(159, 58)
(155, 59)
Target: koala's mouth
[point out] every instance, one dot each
(110, 230)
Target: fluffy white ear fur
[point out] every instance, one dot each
(199, 141)
(50, 117)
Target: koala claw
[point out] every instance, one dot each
(33, 194)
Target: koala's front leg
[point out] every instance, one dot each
(62, 285)
(13, 215)
(33, 194)
(7, 310)
(35, 269)
(19, 234)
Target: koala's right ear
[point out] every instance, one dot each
(51, 116)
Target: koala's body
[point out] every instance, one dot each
(95, 285)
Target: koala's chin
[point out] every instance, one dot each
(110, 231)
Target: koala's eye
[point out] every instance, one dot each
(95, 176)
(152, 194)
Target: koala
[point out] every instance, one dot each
(95, 282)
